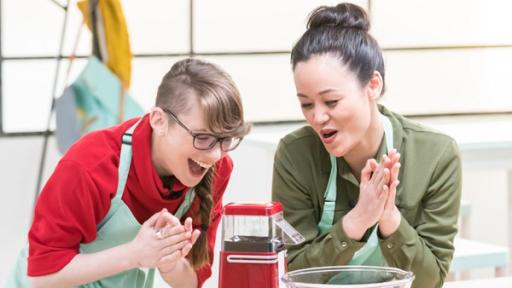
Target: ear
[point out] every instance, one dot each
(375, 86)
(158, 120)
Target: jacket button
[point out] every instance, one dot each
(344, 244)
(389, 245)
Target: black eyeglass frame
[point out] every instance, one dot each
(195, 135)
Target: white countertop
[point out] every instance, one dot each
(503, 282)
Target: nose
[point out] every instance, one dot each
(320, 115)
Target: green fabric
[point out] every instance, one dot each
(428, 198)
(118, 227)
(98, 97)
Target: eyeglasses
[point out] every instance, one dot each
(206, 141)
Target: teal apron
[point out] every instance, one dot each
(118, 227)
(370, 254)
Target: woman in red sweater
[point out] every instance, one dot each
(142, 195)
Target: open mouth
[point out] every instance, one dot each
(328, 135)
(197, 168)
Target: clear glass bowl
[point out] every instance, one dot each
(349, 277)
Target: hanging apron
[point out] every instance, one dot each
(118, 227)
(370, 254)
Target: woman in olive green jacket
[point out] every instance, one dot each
(364, 185)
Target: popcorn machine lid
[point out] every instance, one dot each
(257, 228)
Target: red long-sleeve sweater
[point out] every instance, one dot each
(78, 195)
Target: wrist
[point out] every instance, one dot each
(354, 225)
(132, 255)
(390, 224)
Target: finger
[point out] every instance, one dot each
(373, 164)
(152, 220)
(188, 224)
(386, 161)
(186, 249)
(168, 219)
(160, 222)
(394, 172)
(383, 181)
(169, 231)
(176, 238)
(168, 250)
(195, 235)
(384, 195)
(367, 171)
(378, 174)
(390, 203)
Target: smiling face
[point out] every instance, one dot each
(173, 152)
(335, 104)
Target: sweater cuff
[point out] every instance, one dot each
(342, 242)
(400, 237)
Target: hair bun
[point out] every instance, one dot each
(343, 15)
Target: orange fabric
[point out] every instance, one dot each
(116, 38)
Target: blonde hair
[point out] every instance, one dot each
(222, 106)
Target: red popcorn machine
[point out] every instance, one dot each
(253, 254)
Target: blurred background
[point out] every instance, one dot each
(448, 66)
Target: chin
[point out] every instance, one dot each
(336, 150)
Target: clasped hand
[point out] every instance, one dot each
(376, 203)
(162, 241)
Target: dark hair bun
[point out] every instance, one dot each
(343, 15)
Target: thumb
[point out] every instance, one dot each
(195, 235)
(160, 222)
(369, 167)
(390, 203)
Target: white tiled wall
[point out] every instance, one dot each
(430, 80)
(264, 25)
(443, 81)
(419, 23)
(419, 80)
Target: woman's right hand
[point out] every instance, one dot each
(149, 246)
(373, 193)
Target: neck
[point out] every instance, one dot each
(155, 159)
(368, 146)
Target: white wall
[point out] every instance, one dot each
(441, 57)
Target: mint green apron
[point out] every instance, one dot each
(118, 227)
(370, 254)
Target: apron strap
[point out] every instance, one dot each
(187, 202)
(125, 160)
(329, 199)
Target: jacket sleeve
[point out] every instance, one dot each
(427, 249)
(291, 186)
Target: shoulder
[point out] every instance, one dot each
(301, 136)
(418, 137)
(300, 150)
(301, 141)
(93, 147)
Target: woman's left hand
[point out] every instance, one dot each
(168, 262)
(391, 217)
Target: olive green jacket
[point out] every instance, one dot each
(428, 198)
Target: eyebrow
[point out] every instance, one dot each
(320, 93)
